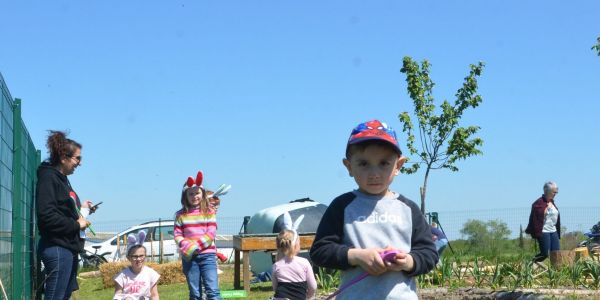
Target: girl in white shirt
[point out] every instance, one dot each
(137, 282)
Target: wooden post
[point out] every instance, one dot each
(246, 268)
(160, 244)
(152, 248)
(236, 269)
(562, 258)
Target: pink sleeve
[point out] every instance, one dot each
(311, 281)
(207, 240)
(273, 277)
(186, 246)
(178, 230)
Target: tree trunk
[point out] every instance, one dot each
(424, 190)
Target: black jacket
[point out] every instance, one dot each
(55, 209)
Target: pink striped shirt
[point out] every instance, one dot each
(195, 232)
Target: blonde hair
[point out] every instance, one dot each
(286, 246)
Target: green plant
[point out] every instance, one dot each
(591, 272)
(426, 280)
(499, 275)
(476, 272)
(524, 274)
(328, 279)
(436, 277)
(445, 271)
(553, 276)
(512, 271)
(576, 273)
(459, 271)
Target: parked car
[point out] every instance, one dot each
(159, 240)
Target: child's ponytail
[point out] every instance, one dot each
(285, 243)
(288, 237)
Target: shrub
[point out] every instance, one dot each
(169, 272)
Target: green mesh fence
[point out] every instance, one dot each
(18, 162)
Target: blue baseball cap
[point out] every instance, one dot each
(374, 130)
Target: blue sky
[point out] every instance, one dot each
(262, 95)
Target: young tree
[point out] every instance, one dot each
(521, 240)
(597, 46)
(442, 141)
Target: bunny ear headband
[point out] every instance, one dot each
(287, 224)
(133, 240)
(222, 190)
(190, 182)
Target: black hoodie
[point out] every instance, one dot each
(55, 209)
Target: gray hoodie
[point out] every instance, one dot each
(357, 220)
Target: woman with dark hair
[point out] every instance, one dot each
(59, 220)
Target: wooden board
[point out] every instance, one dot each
(266, 242)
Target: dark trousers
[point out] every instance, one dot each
(60, 269)
(548, 242)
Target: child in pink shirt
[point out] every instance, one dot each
(293, 277)
(195, 231)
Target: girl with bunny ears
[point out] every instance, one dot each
(137, 282)
(195, 231)
(293, 276)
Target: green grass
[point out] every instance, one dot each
(92, 288)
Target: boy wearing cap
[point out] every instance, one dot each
(359, 225)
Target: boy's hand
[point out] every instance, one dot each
(403, 262)
(368, 259)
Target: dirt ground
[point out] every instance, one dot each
(488, 294)
(473, 293)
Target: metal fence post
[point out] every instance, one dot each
(17, 200)
(160, 244)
